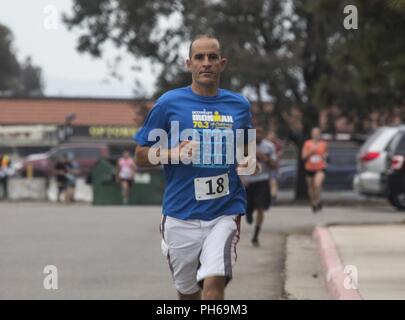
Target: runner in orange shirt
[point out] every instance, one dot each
(314, 154)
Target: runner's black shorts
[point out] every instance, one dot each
(258, 196)
(311, 174)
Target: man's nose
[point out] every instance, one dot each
(206, 62)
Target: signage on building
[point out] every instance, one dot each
(105, 132)
(28, 135)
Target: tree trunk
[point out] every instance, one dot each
(300, 188)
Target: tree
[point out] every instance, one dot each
(30, 80)
(9, 67)
(17, 79)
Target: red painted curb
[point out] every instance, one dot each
(333, 267)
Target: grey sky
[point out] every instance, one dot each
(65, 71)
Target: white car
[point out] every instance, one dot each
(372, 161)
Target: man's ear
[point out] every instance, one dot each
(224, 62)
(188, 64)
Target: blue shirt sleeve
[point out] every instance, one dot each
(156, 119)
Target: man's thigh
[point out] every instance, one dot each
(218, 254)
(182, 244)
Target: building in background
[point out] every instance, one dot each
(34, 125)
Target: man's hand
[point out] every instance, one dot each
(184, 151)
(242, 168)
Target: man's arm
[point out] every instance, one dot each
(141, 157)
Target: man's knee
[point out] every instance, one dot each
(192, 296)
(214, 288)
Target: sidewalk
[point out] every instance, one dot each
(333, 198)
(363, 261)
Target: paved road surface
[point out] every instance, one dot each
(114, 252)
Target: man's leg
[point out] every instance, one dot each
(262, 203)
(274, 190)
(124, 188)
(310, 189)
(181, 244)
(318, 182)
(250, 204)
(194, 296)
(214, 288)
(259, 221)
(6, 187)
(218, 256)
(2, 188)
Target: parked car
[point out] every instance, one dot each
(371, 162)
(43, 164)
(393, 178)
(339, 173)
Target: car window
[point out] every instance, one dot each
(393, 143)
(56, 154)
(86, 153)
(400, 145)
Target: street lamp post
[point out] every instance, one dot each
(67, 128)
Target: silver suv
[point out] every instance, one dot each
(372, 160)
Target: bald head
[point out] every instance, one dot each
(203, 37)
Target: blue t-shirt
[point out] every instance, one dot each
(226, 111)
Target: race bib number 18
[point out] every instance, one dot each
(208, 188)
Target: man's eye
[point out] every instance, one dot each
(198, 56)
(213, 57)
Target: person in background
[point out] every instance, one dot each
(5, 165)
(60, 174)
(314, 154)
(125, 174)
(271, 136)
(72, 171)
(258, 186)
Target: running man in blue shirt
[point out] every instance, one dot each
(204, 199)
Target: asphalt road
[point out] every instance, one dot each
(114, 252)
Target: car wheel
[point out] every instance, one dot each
(397, 200)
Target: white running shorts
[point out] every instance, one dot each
(197, 249)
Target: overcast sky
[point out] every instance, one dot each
(65, 71)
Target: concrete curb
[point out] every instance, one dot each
(333, 267)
